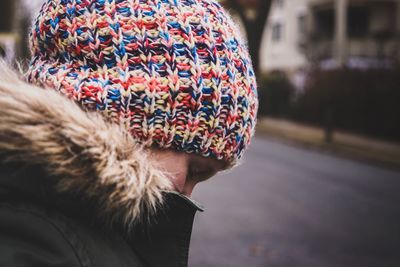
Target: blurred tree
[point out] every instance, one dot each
(8, 38)
(23, 24)
(7, 8)
(254, 14)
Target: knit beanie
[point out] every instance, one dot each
(175, 73)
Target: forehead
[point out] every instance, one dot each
(193, 160)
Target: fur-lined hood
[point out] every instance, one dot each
(85, 153)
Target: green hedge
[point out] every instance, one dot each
(275, 94)
(362, 101)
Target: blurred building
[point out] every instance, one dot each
(355, 33)
(330, 34)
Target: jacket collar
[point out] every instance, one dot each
(165, 241)
(82, 152)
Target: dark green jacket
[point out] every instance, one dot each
(77, 190)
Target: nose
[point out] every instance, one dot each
(175, 166)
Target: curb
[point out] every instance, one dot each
(354, 147)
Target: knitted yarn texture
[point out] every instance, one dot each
(175, 73)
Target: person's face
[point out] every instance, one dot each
(185, 170)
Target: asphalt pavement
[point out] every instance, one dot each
(288, 206)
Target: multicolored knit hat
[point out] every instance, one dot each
(175, 73)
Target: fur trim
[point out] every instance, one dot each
(85, 152)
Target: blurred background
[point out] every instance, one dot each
(320, 184)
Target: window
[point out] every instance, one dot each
(279, 3)
(277, 32)
(302, 24)
(324, 23)
(358, 20)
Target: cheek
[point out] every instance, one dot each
(176, 170)
(178, 180)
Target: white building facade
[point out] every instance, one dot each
(284, 34)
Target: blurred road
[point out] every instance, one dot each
(285, 206)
